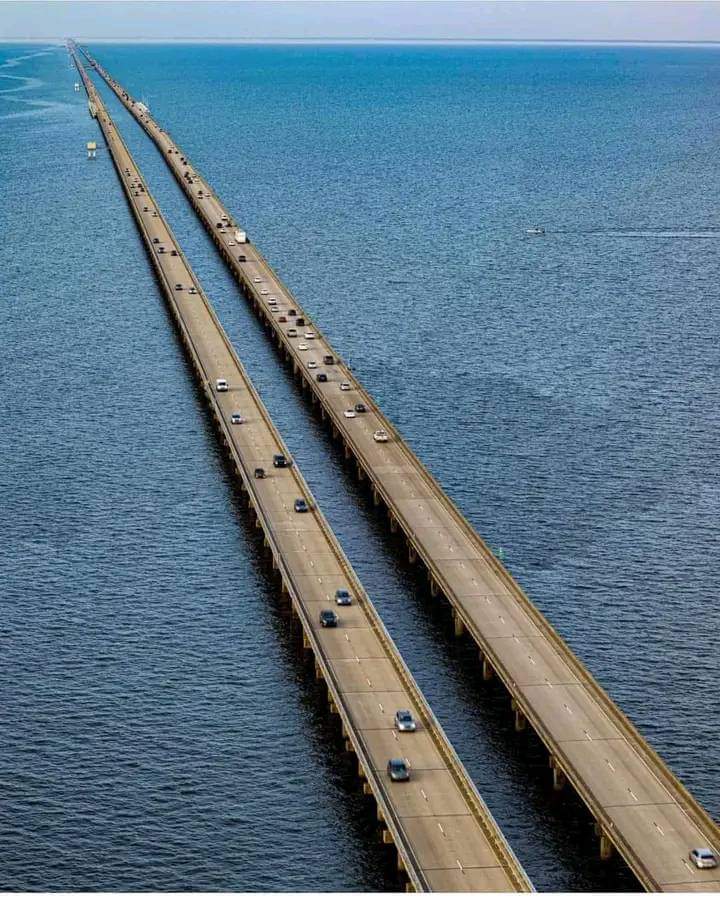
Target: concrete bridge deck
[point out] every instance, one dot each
(446, 838)
(639, 805)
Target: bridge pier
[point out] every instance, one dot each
(459, 626)
(606, 846)
(559, 779)
(487, 668)
(520, 719)
(412, 554)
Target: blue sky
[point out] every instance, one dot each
(606, 20)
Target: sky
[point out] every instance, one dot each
(574, 20)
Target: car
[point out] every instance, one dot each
(259, 473)
(272, 299)
(264, 291)
(223, 231)
(360, 407)
(350, 413)
(257, 280)
(328, 618)
(292, 312)
(192, 290)
(309, 335)
(161, 249)
(329, 360)
(292, 332)
(397, 769)
(178, 287)
(173, 252)
(156, 240)
(236, 419)
(300, 321)
(231, 243)
(281, 461)
(380, 436)
(703, 858)
(155, 215)
(321, 377)
(343, 597)
(221, 385)
(300, 505)
(242, 258)
(344, 385)
(302, 346)
(312, 364)
(404, 721)
(283, 318)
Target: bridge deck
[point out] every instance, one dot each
(640, 806)
(446, 838)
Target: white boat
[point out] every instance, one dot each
(535, 230)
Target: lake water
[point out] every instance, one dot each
(160, 729)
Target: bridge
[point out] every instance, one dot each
(640, 807)
(445, 836)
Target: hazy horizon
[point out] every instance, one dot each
(454, 21)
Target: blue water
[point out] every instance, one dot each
(161, 730)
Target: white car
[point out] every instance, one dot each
(221, 385)
(272, 300)
(344, 385)
(703, 858)
(257, 280)
(223, 231)
(292, 332)
(312, 364)
(236, 418)
(350, 413)
(192, 290)
(231, 243)
(380, 436)
(302, 346)
(309, 335)
(264, 292)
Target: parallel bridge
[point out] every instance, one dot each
(639, 806)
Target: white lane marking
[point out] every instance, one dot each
(369, 682)
(661, 831)
(440, 828)
(423, 794)
(610, 764)
(633, 795)
(459, 864)
(380, 706)
(567, 708)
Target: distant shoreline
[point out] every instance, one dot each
(330, 41)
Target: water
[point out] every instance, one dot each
(392, 188)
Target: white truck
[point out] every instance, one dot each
(241, 237)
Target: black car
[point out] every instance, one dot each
(259, 473)
(329, 360)
(360, 407)
(397, 769)
(322, 377)
(280, 461)
(300, 505)
(328, 618)
(242, 258)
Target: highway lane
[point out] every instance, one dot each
(446, 838)
(640, 807)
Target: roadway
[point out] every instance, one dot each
(640, 807)
(445, 836)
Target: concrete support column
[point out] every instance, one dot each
(360, 473)
(306, 642)
(376, 497)
(606, 846)
(487, 669)
(412, 554)
(393, 523)
(318, 672)
(459, 626)
(347, 451)
(559, 779)
(520, 720)
(434, 589)
(387, 837)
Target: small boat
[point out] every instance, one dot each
(535, 230)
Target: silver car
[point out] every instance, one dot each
(703, 858)
(404, 720)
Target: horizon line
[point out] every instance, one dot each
(367, 40)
